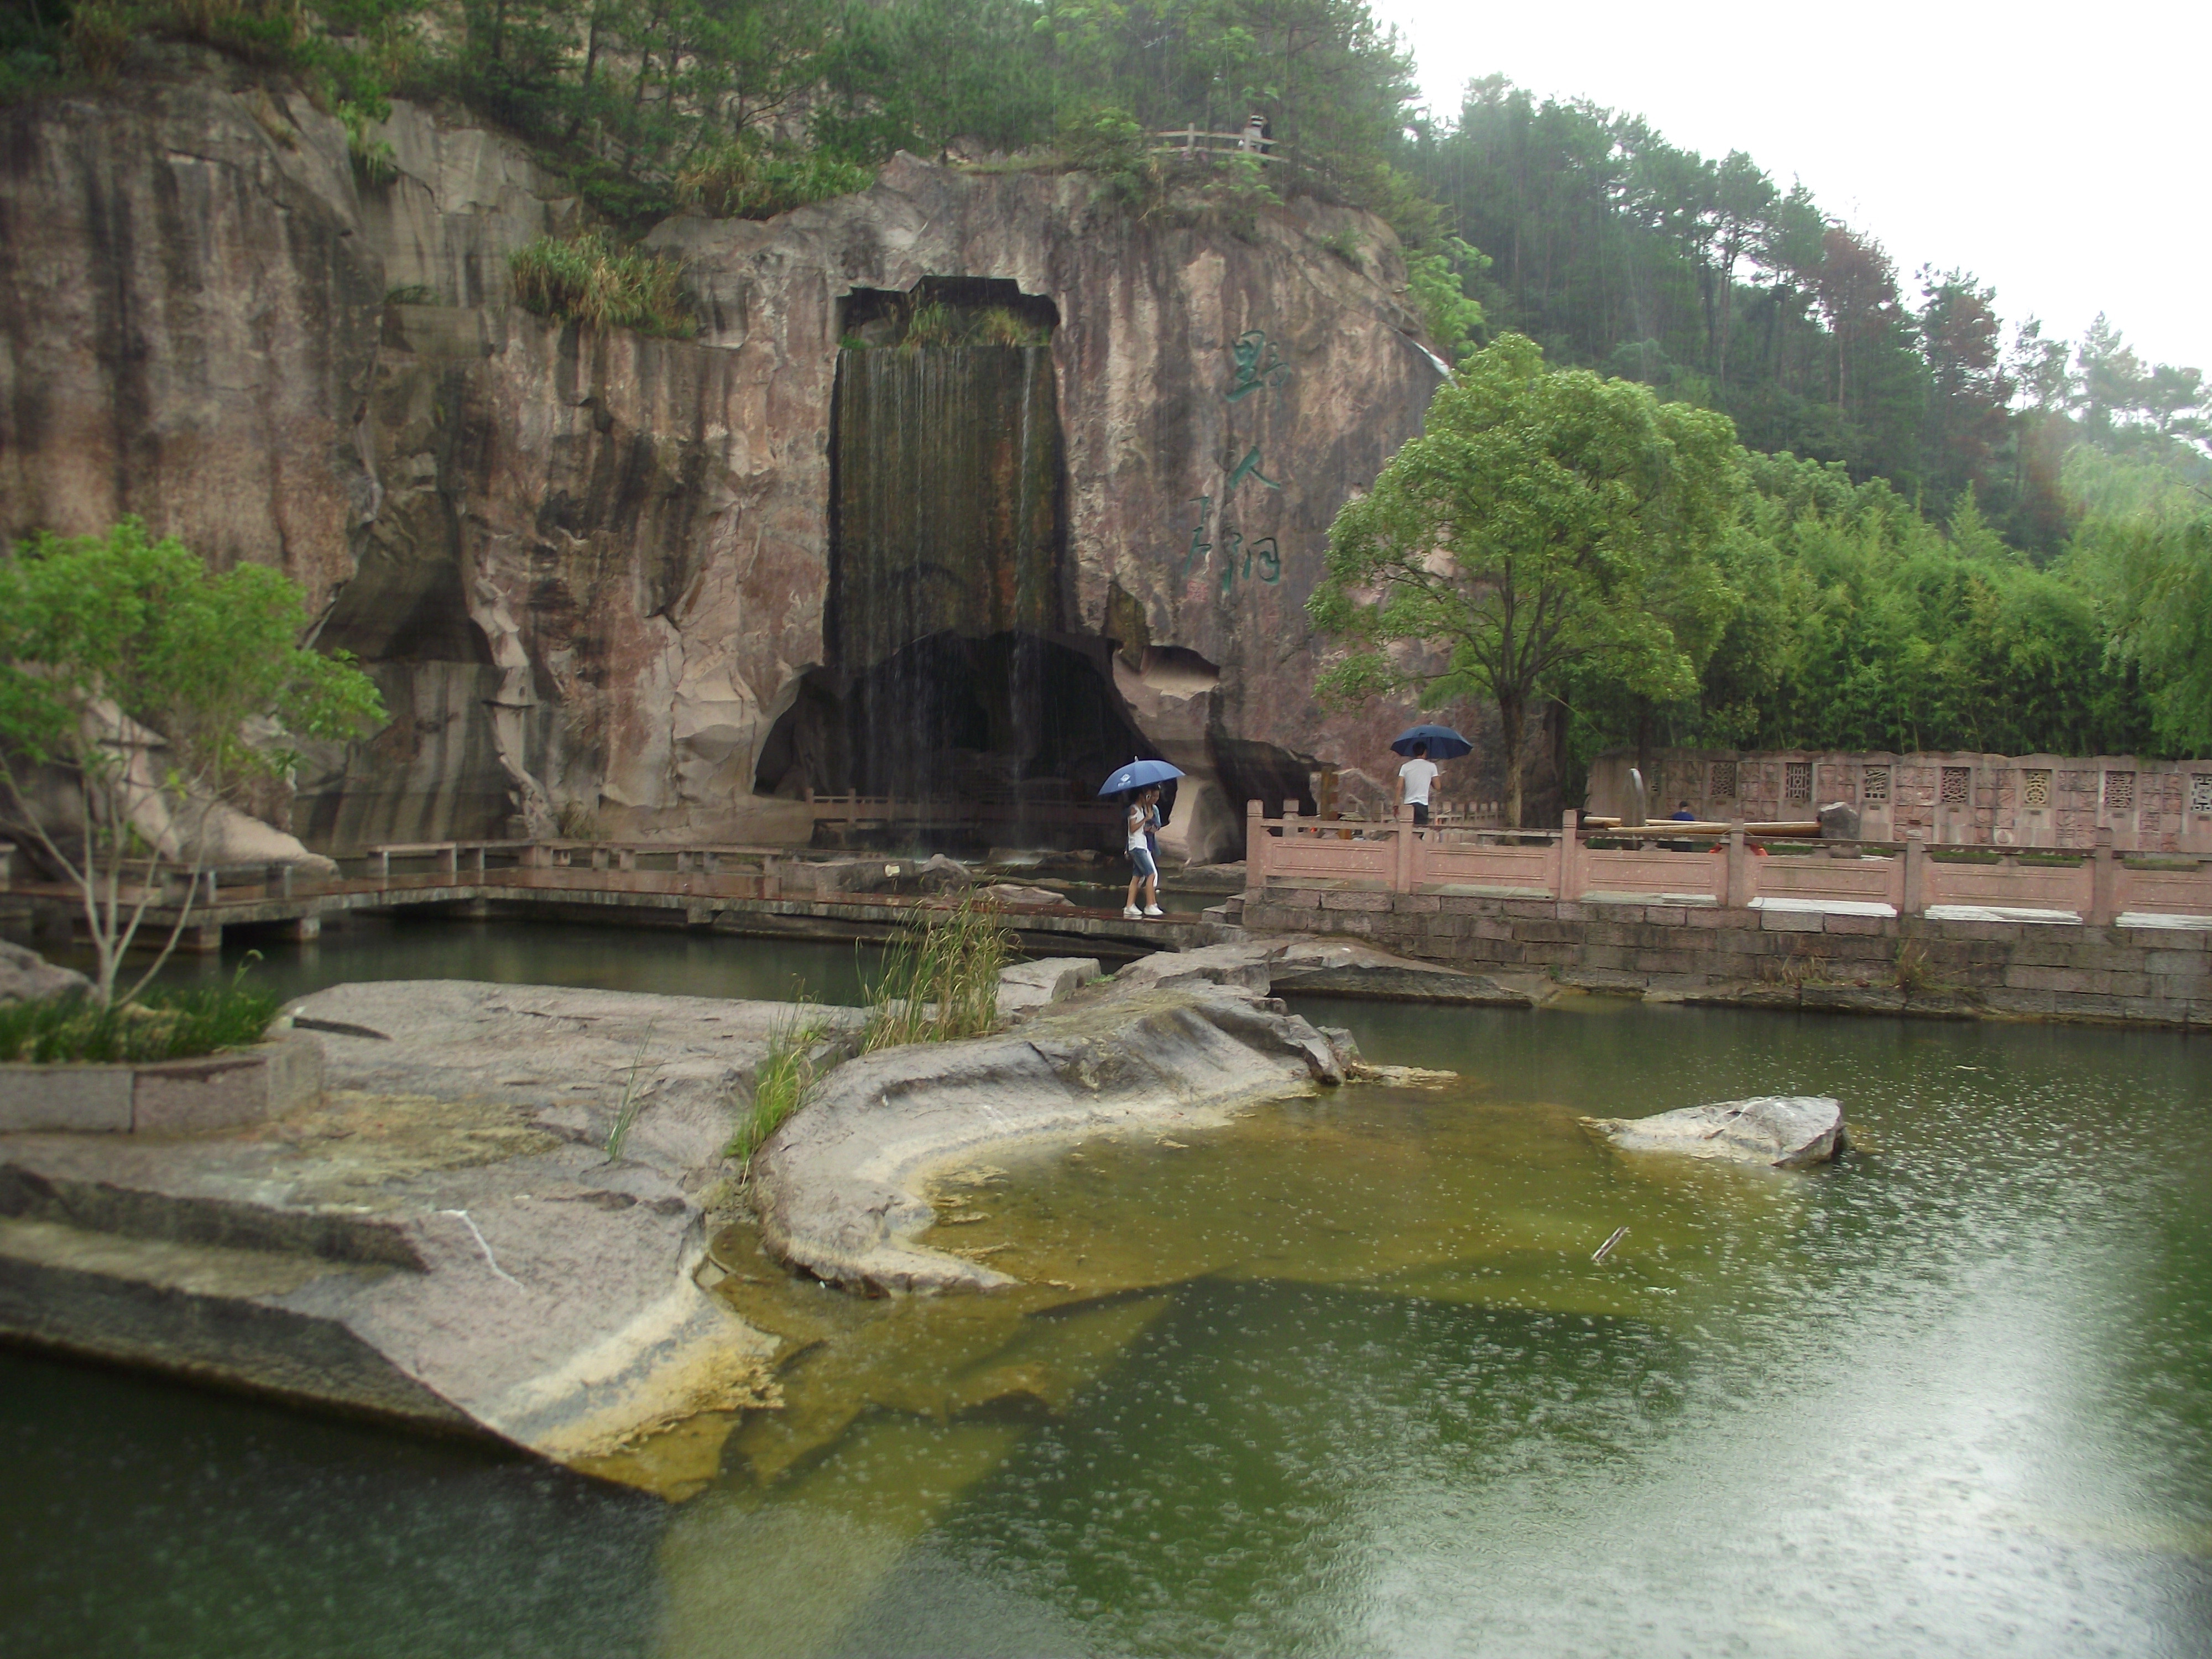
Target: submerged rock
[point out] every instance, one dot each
(1785, 1131)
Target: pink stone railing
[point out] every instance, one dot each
(1559, 865)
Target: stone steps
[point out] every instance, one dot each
(51, 1180)
(214, 1314)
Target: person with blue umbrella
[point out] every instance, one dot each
(1138, 784)
(1417, 776)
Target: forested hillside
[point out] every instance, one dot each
(1959, 532)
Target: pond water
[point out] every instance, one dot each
(668, 961)
(1340, 1378)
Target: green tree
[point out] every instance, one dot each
(1436, 282)
(154, 687)
(2154, 574)
(1547, 523)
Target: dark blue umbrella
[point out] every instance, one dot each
(1138, 774)
(1444, 744)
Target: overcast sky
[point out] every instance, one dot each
(2056, 152)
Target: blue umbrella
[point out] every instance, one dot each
(1138, 774)
(1444, 744)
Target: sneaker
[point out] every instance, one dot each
(1153, 910)
(1132, 913)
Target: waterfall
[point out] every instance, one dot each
(946, 516)
(946, 573)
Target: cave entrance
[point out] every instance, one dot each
(1002, 740)
(953, 682)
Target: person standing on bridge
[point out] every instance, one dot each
(1415, 779)
(1144, 869)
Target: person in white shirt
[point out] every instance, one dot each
(1144, 870)
(1415, 779)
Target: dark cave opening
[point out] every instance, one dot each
(1022, 727)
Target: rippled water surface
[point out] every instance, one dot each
(665, 961)
(1340, 1378)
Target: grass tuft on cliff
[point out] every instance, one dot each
(160, 1025)
(740, 180)
(587, 279)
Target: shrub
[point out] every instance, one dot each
(740, 180)
(1109, 143)
(98, 39)
(1002, 326)
(587, 279)
(940, 978)
(160, 1025)
(931, 323)
(374, 162)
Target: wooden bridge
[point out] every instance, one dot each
(729, 889)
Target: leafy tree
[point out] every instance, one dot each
(140, 676)
(1545, 523)
(1437, 282)
(1970, 395)
(2153, 572)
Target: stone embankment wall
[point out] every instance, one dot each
(1952, 799)
(2148, 975)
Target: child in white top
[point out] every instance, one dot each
(1144, 871)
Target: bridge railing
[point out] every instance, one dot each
(1659, 863)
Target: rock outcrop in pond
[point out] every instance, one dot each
(591, 569)
(1783, 1132)
(489, 1225)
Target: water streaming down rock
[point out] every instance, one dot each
(946, 484)
(954, 671)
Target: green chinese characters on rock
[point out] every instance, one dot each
(1264, 553)
(1256, 365)
(1262, 558)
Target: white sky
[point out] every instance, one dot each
(2056, 152)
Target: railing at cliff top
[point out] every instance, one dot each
(1909, 877)
(1195, 142)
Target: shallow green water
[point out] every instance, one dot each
(1338, 1379)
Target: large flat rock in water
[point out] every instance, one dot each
(454, 1236)
(1783, 1132)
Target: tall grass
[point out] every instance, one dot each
(931, 323)
(742, 180)
(1004, 327)
(633, 1097)
(587, 279)
(940, 977)
(160, 1025)
(785, 1077)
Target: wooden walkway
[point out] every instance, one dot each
(726, 900)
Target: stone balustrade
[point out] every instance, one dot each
(1907, 878)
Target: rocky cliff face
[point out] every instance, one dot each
(591, 568)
